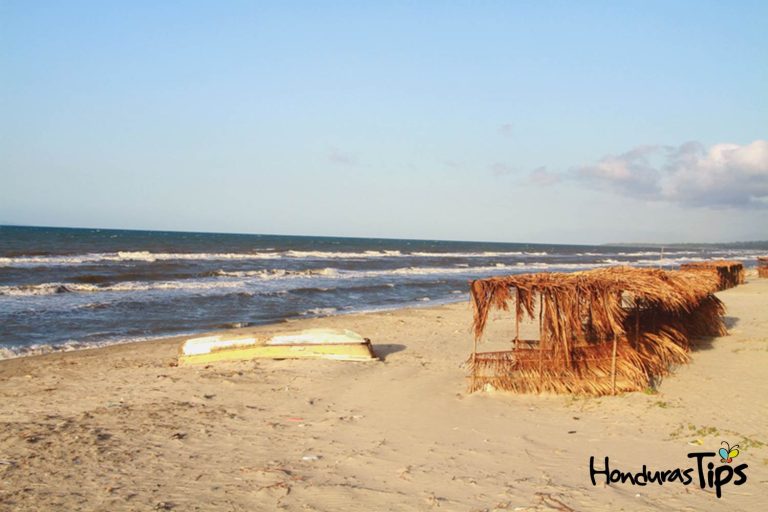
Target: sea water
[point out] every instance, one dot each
(70, 288)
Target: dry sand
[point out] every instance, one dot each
(120, 428)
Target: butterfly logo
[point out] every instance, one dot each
(728, 453)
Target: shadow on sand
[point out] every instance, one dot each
(730, 322)
(382, 351)
(705, 342)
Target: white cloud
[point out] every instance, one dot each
(724, 175)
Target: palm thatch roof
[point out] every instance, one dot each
(762, 266)
(730, 273)
(600, 331)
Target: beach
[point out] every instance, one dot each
(402, 256)
(123, 428)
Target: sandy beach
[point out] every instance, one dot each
(122, 428)
(390, 176)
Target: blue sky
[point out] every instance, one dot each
(513, 121)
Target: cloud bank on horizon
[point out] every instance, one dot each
(722, 176)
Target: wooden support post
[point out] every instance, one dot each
(517, 320)
(613, 367)
(541, 333)
(474, 365)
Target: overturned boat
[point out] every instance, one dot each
(338, 344)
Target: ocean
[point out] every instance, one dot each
(63, 289)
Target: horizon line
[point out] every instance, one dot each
(605, 244)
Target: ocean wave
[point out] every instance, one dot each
(127, 286)
(13, 352)
(128, 256)
(355, 288)
(39, 349)
(342, 254)
(151, 257)
(319, 312)
(652, 253)
(681, 260)
(278, 273)
(223, 279)
(245, 280)
(398, 254)
(34, 289)
(425, 271)
(485, 254)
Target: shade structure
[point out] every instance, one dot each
(600, 331)
(730, 273)
(762, 266)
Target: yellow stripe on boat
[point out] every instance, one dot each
(341, 345)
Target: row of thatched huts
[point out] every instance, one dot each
(600, 331)
(730, 273)
(762, 266)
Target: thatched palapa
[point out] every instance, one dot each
(762, 266)
(600, 331)
(731, 273)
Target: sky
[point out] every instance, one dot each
(517, 121)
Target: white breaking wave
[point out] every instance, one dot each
(486, 254)
(242, 279)
(69, 346)
(678, 261)
(278, 273)
(151, 257)
(127, 286)
(653, 253)
(143, 256)
(319, 312)
(651, 261)
(425, 271)
(337, 255)
(34, 289)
